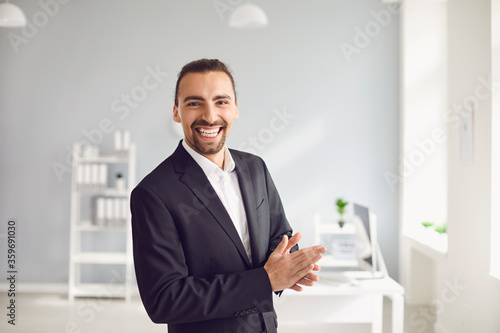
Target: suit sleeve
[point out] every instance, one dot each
(169, 294)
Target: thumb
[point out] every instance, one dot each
(282, 245)
(293, 241)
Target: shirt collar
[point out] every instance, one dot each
(209, 167)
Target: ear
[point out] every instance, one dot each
(236, 115)
(177, 117)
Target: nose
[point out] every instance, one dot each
(210, 114)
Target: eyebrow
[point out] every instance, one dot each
(221, 97)
(199, 98)
(196, 98)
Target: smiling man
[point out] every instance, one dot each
(211, 240)
(206, 110)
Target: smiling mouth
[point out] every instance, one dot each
(209, 132)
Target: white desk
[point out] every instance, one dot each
(331, 303)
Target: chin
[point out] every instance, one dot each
(209, 148)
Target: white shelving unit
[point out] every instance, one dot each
(84, 201)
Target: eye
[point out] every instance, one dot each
(193, 104)
(222, 102)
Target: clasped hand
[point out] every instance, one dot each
(291, 270)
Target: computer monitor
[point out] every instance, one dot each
(368, 262)
(366, 233)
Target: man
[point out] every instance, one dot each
(211, 240)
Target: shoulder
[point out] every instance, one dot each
(249, 159)
(159, 176)
(246, 157)
(166, 172)
(254, 164)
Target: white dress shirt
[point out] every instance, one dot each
(226, 185)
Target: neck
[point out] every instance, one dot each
(218, 158)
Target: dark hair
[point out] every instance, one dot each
(203, 66)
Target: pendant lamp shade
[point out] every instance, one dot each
(248, 16)
(11, 16)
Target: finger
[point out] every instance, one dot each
(296, 287)
(310, 250)
(304, 266)
(311, 276)
(316, 268)
(305, 282)
(306, 258)
(293, 241)
(282, 245)
(301, 271)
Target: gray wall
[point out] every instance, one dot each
(60, 81)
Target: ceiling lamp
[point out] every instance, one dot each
(11, 16)
(248, 16)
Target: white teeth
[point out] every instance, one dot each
(209, 133)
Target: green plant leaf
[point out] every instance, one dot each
(442, 229)
(341, 204)
(427, 224)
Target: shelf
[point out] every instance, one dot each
(100, 258)
(99, 290)
(109, 192)
(334, 228)
(329, 261)
(90, 227)
(428, 242)
(92, 197)
(105, 159)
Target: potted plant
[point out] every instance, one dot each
(341, 204)
(441, 229)
(120, 182)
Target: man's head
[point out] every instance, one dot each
(205, 104)
(202, 66)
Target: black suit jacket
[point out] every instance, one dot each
(191, 267)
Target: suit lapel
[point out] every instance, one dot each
(256, 242)
(193, 177)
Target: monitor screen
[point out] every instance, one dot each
(364, 215)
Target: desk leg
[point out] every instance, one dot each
(377, 319)
(398, 308)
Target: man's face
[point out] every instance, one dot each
(206, 109)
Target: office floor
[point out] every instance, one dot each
(52, 313)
